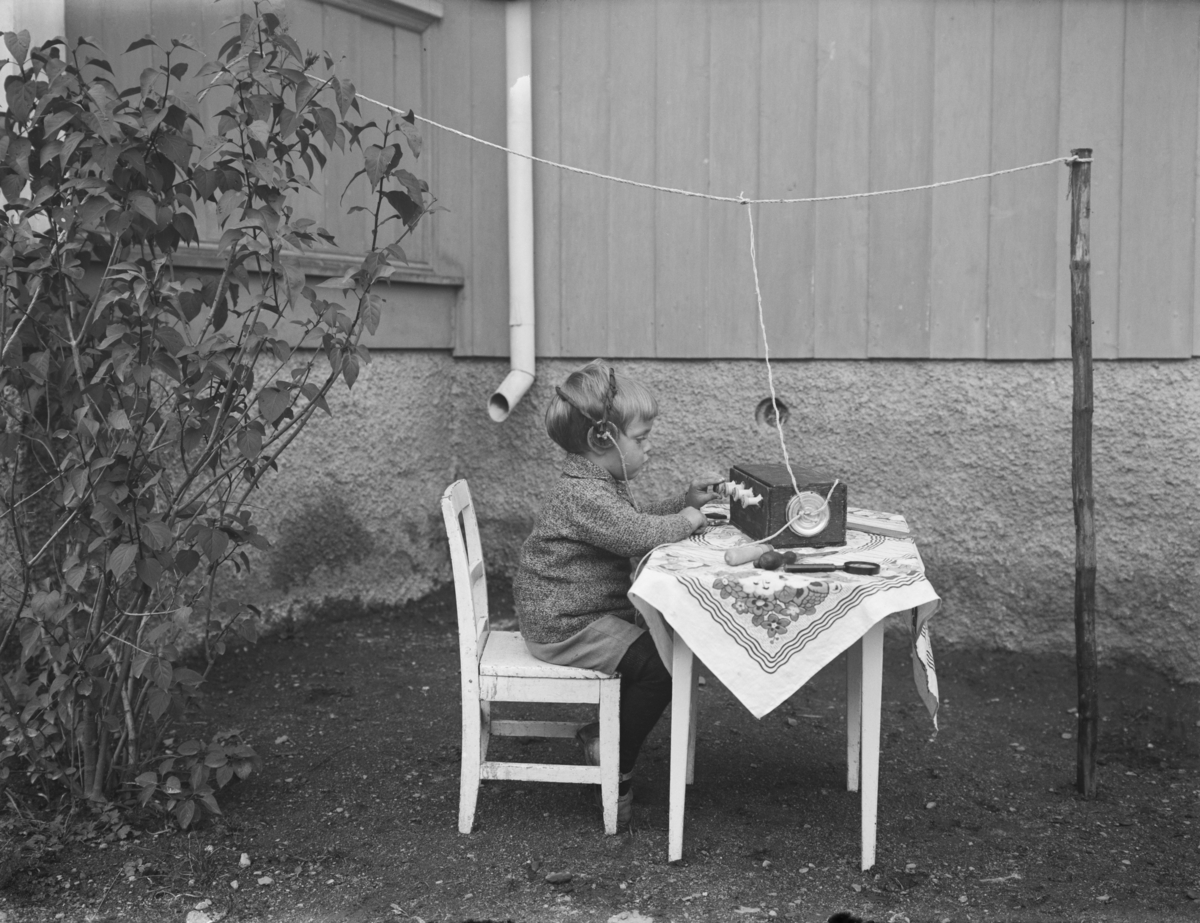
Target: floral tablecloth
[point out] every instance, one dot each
(763, 633)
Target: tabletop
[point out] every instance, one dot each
(765, 633)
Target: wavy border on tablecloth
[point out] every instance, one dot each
(771, 662)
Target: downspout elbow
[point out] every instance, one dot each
(509, 394)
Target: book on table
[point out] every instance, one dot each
(877, 522)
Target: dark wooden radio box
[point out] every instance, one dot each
(772, 484)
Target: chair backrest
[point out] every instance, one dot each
(470, 581)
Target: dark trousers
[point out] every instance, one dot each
(645, 692)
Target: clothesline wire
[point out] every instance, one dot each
(740, 200)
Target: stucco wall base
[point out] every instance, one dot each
(977, 455)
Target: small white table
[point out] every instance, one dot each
(764, 634)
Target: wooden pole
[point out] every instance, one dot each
(1081, 471)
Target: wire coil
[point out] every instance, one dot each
(807, 513)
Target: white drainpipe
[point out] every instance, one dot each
(518, 35)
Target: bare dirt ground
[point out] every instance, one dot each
(353, 817)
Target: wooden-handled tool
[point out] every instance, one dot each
(744, 554)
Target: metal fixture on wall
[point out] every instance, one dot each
(518, 36)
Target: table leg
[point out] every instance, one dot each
(872, 694)
(693, 712)
(854, 675)
(681, 723)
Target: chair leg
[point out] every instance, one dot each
(468, 780)
(610, 750)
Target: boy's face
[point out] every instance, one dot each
(634, 451)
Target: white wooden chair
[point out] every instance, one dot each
(497, 667)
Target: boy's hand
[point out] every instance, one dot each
(701, 490)
(697, 519)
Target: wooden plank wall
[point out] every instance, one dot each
(383, 60)
(794, 98)
(788, 98)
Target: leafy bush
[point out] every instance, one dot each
(142, 406)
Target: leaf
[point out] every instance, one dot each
(213, 543)
(142, 42)
(120, 559)
(143, 204)
(118, 419)
(156, 534)
(326, 123)
(249, 443)
(149, 571)
(73, 576)
(185, 227)
(350, 370)
(54, 122)
(146, 80)
(187, 676)
(170, 338)
(18, 45)
(344, 91)
(160, 672)
(22, 97)
(159, 701)
(175, 148)
(411, 136)
(289, 43)
(205, 182)
(406, 208)
(224, 774)
(12, 185)
(371, 314)
(220, 313)
(185, 812)
(68, 148)
(295, 278)
(9, 444)
(246, 629)
(246, 29)
(92, 209)
(376, 166)
(272, 403)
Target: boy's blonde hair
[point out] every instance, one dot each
(588, 390)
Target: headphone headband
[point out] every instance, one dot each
(600, 427)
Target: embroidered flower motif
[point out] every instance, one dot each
(771, 602)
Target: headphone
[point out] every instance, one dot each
(601, 429)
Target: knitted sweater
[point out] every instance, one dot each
(575, 565)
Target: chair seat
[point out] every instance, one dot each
(505, 654)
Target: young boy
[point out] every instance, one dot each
(570, 590)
